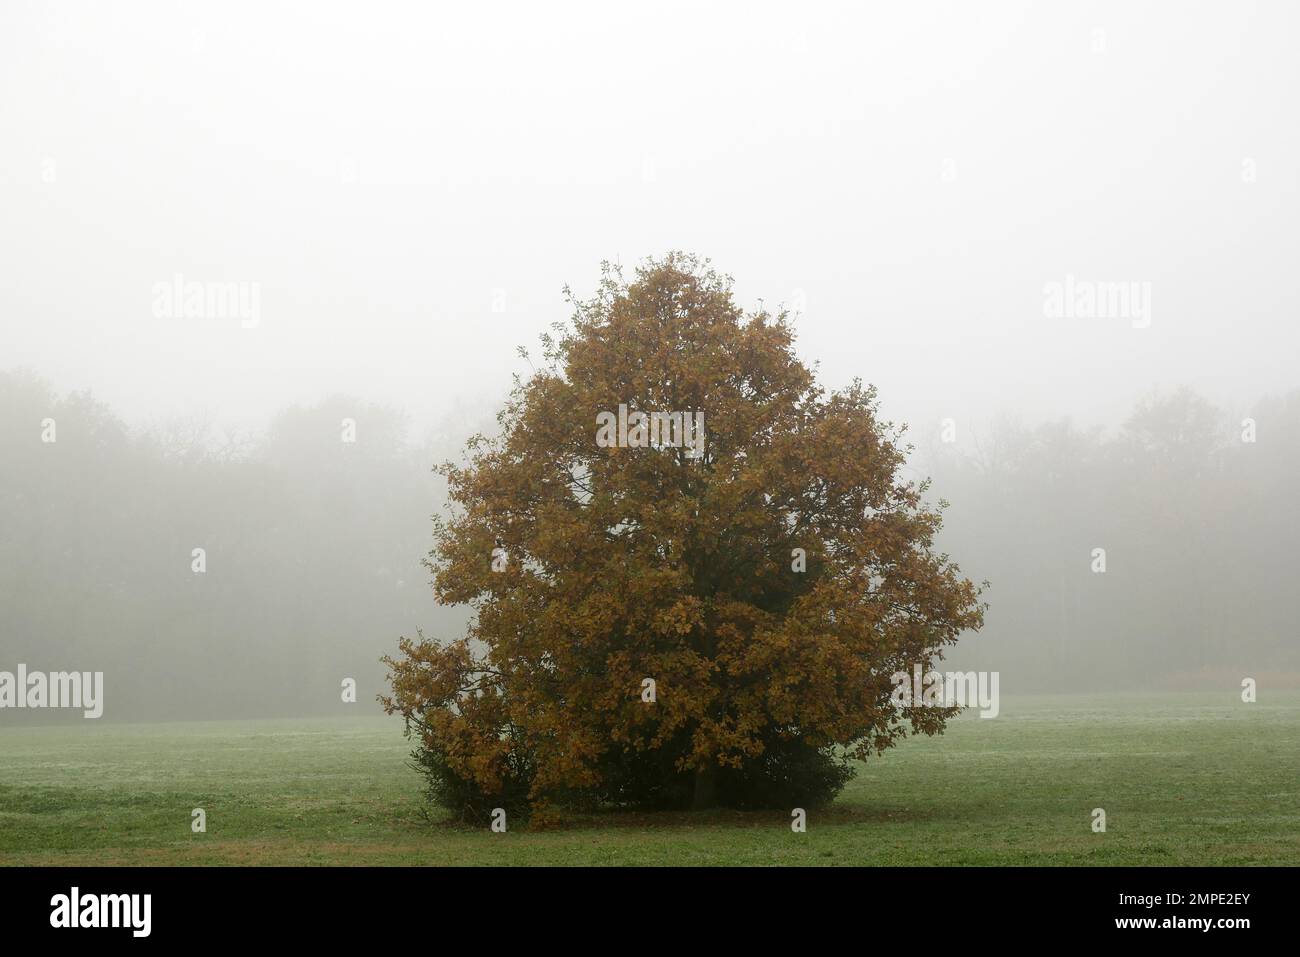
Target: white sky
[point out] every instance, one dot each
(802, 147)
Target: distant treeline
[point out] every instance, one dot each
(312, 549)
(1198, 514)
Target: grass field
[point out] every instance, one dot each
(1184, 779)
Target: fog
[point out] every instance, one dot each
(398, 195)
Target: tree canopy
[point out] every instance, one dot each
(660, 623)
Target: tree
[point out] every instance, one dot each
(595, 562)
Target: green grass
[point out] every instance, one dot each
(1184, 779)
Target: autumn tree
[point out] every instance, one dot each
(668, 618)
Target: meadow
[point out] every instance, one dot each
(1185, 779)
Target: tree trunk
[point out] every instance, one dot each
(706, 787)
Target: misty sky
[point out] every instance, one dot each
(912, 175)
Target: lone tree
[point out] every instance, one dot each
(669, 616)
